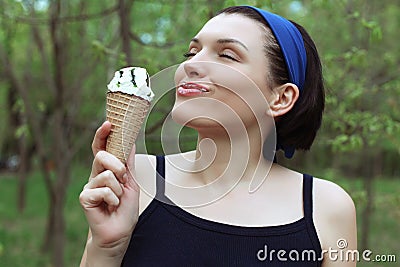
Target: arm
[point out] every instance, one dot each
(110, 202)
(335, 220)
(83, 259)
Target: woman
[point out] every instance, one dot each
(245, 68)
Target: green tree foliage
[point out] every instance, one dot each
(360, 61)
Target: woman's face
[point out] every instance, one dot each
(223, 81)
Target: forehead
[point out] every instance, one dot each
(233, 26)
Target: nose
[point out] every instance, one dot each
(195, 69)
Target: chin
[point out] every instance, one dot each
(185, 117)
(207, 113)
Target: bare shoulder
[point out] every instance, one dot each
(334, 215)
(331, 199)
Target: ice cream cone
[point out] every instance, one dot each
(126, 114)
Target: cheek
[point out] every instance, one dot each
(249, 90)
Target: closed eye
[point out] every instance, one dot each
(229, 57)
(189, 54)
(225, 55)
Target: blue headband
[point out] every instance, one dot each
(291, 43)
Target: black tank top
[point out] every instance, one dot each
(167, 235)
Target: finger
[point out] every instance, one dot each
(93, 198)
(106, 179)
(100, 138)
(106, 161)
(129, 201)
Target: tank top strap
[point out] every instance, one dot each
(308, 210)
(160, 180)
(307, 196)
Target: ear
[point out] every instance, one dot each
(283, 99)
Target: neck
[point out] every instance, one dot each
(221, 154)
(224, 162)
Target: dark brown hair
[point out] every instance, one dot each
(297, 128)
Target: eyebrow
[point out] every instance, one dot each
(224, 41)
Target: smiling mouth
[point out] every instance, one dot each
(191, 89)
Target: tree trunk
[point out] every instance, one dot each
(61, 150)
(59, 229)
(375, 171)
(63, 163)
(54, 240)
(124, 11)
(367, 213)
(49, 233)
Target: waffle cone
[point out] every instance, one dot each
(126, 114)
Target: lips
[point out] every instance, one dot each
(192, 89)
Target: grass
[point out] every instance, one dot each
(21, 234)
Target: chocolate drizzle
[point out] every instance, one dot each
(147, 80)
(133, 77)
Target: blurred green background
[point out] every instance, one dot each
(57, 57)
